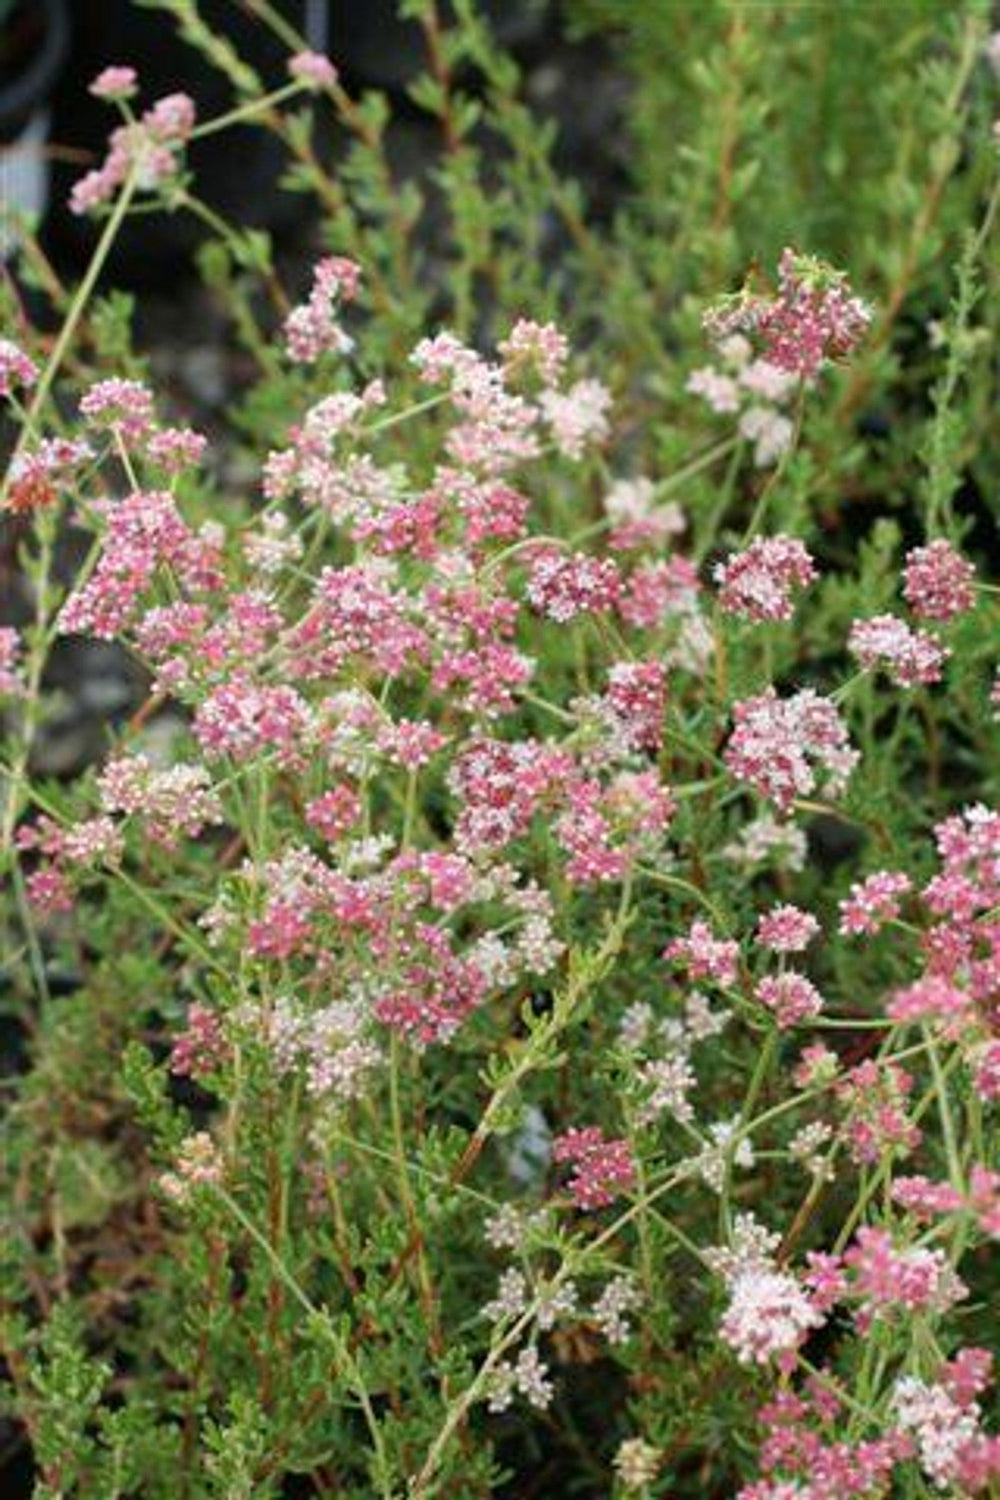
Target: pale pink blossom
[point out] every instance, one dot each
(313, 69)
(16, 368)
(786, 929)
(790, 747)
(873, 901)
(577, 417)
(911, 657)
(769, 1314)
(758, 583)
(115, 82)
(313, 327)
(791, 997)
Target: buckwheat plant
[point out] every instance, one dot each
(515, 1009)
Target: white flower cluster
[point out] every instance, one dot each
(665, 1076)
(766, 841)
(756, 389)
(332, 1044)
(941, 1427)
(769, 1312)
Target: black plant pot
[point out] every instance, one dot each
(34, 37)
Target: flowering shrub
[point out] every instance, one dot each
(533, 954)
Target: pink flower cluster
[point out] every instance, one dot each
(201, 1047)
(602, 1169)
(173, 802)
(930, 1200)
(602, 828)
(944, 1419)
(755, 388)
(123, 404)
(798, 1444)
(875, 1100)
(705, 956)
(790, 996)
(758, 583)
(313, 328)
(813, 318)
(887, 1278)
(145, 531)
(539, 347)
(562, 586)
(933, 997)
(577, 417)
(125, 408)
(313, 69)
(786, 929)
(911, 657)
(65, 855)
(334, 813)
(789, 747)
(637, 696)
(873, 901)
(149, 150)
(769, 1315)
(501, 785)
(498, 426)
(115, 83)
(38, 473)
(17, 369)
(939, 582)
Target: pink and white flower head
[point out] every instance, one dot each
(786, 929)
(313, 69)
(637, 519)
(873, 901)
(16, 368)
(312, 328)
(11, 682)
(911, 1277)
(115, 82)
(952, 1449)
(123, 404)
(912, 658)
(563, 585)
(602, 1169)
(938, 582)
(538, 346)
(933, 998)
(577, 417)
(790, 997)
(704, 955)
(149, 151)
(770, 431)
(720, 391)
(789, 747)
(171, 118)
(813, 318)
(758, 583)
(769, 1314)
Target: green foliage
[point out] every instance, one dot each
(219, 1287)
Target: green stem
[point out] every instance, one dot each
(80, 300)
(321, 1320)
(247, 111)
